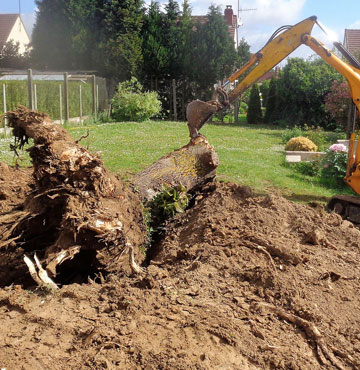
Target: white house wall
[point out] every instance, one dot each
(19, 34)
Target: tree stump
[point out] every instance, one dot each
(190, 166)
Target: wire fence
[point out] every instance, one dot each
(62, 95)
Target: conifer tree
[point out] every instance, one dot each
(271, 102)
(254, 114)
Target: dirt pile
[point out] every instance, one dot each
(238, 281)
(15, 183)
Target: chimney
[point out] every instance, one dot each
(228, 15)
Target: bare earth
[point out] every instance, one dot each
(238, 281)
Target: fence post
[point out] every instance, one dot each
(236, 110)
(93, 81)
(60, 104)
(97, 98)
(35, 97)
(80, 99)
(5, 110)
(174, 98)
(30, 89)
(66, 96)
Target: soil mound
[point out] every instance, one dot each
(238, 281)
(14, 185)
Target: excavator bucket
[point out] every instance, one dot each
(198, 112)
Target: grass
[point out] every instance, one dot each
(250, 155)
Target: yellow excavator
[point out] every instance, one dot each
(282, 43)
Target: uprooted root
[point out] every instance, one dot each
(77, 209)
(40, 277)
(312, 333)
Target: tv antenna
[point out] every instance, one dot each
(239, 21)
(19, 7)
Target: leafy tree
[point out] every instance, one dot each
(271, 113)
(51, 37)
(213, 52)
(119, 50)
(303, 86)
(89, 34)
(154, 50)
(10, 56)
(264, 90)
(254, 114)
(337, 102)
(243, 53)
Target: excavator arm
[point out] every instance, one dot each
(277, 48)
(282, 43)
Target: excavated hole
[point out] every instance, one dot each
(201, 192)
(83, 266)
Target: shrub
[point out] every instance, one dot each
(169, 202)
(301, 144)
(130, 103)
(243, 108)
(312, 169)
(316, 135)
(334, 163)
(289, 133)
(337, 102)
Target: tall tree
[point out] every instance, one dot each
(89, 34)
(51, 38)
(243, 52)
(154, 50)
(213, 52)
(271, 113)
(254, 114)
(303, 86)
(119, 50)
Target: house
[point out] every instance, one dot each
(12, 28)
(352, 40)
(230, 19)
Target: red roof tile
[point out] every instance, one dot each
(7, 22)
(352, 40)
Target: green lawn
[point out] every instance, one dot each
(249, 154)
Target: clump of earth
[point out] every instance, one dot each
(237, 281)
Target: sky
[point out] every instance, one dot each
(257, 25)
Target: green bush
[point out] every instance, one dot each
(243, 108)
(167, 203)
(289, 133)
(312, 169)
(317, 135)
(334, 165)
(130, 103)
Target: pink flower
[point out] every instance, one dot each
(338, 148)
(326, 165)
